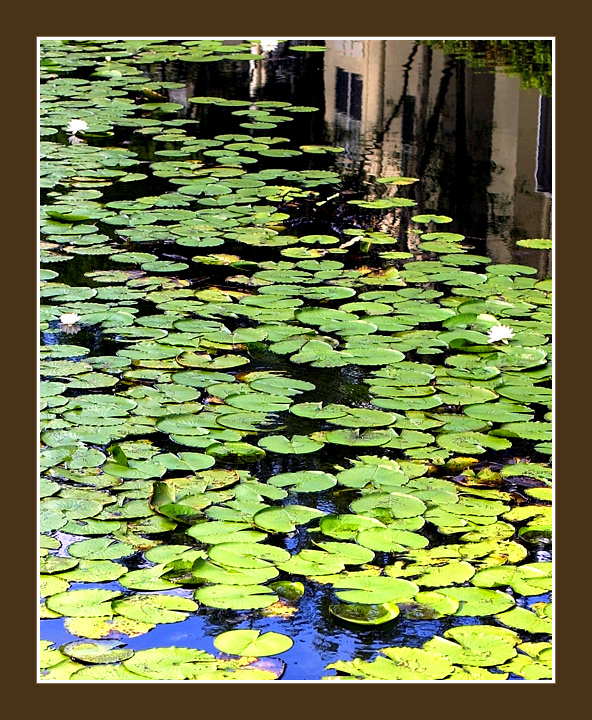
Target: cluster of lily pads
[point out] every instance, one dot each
(225, 429)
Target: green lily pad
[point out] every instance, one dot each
(474, 645)
(155, 608)
(400, 505)
(523, 619)
(102, 548)
(106, 673)
(428, 605)
(288, 590)
(52, 564)
(276, 384)
(223, 532)
(374, 590)
(285, 519)
(364, 614)
(247, 555)
(103, 652)
(536, 243)
(147, 579)
(431, 218)
(203, 570)
(236, 597)
(532, 579)
(347, 527)
(312, 562)
(183, 424)
(402, 664)
(296, 445)
(477, 602)
(83, 603)
(471, 442)
(170, 663)
(348, 553)
(52, 585)
(252, 643)
(367, 438)
(443, 575)
(317, 411)
(378, 475)
(304, 481)
(390, 539)
(95, 571)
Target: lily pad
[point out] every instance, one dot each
(296, 445)
(236, 597)
(474, 645)
(83, 603)
(402, 664)
(365, 614)
(304, 481)
(374, 590)
(170, 663)
(285, 519)
(476, 602)
(247, 555)
(103, 652)
(155, 608)
(252, 643)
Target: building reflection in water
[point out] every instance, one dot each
(479, 142)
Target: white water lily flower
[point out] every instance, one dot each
(269, 44)
(69, 318)
(500, 332)
(75, 126)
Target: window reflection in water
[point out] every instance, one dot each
(481, 144)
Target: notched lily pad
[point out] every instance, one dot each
(252, 643)
(104, 652)
(366, 614)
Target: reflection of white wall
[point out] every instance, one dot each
(504, 135)
(257, 73)
(516, 206)
(364, 58)
(350, 48)
(379, 65)
(178, 95)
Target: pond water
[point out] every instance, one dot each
(296, 320)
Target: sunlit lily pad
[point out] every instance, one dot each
(203, 570)
(312, 562)
(155, 608)
(252, 643)
(402, 664)
(476, 602)
(365, 614)
(103, 652)
(304, 481)
(246, 555)
(83, 603)
(474, 645)
(222, 532)
(236, 597)
(296, 445)
(374, 590)
(346, 527)
(170, 663)
(95, 571)
(285, 519)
